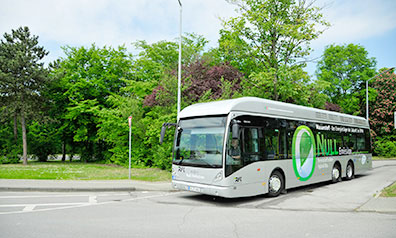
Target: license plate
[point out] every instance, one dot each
(194, 189)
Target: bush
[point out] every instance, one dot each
(10, 156)
(385, 147)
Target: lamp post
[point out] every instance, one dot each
(179, 69)
(367, 104)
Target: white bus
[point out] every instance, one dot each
(250, 146)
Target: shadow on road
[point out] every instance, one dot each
(232, 202)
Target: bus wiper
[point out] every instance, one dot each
(209, 164)
(181, 160)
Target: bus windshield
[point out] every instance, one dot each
(199, 142)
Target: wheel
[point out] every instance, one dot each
(350, 172)
(275, 184)
(336, 173)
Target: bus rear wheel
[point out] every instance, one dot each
(336, 173)
(350, 172)
(275, 184)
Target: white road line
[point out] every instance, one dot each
(92, 199)
(44, 204)
(65, 195)
(76, 205)
(29, 208)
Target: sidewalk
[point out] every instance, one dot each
(82, 185)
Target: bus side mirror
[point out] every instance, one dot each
(163, 130)
(235, 131)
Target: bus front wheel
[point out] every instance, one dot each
(275, 184)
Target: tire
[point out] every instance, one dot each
(350, 171)
(276, 184)
(336, 173)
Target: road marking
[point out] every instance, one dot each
(44, 204)
(62, 206)
(92, 199)
(29, 208)
(65, 195)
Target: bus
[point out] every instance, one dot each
(251, 146)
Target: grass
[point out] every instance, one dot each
(383, 158)
(79, 171)
(389, 191)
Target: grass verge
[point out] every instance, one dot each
(389, 191)
(383, 158)
(79, 171)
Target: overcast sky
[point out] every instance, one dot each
(370, 23)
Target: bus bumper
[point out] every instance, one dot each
(213, 190)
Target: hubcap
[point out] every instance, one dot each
(336, 173)
(349, 171)
(275, 184)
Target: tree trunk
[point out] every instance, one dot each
(24, 138)
(276, 96)
(15, 127)
(64, 151)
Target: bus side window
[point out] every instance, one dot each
(361, 142)
(350, 141)
(272, 143)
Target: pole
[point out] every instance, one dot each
(179, 69)
(367, 104)
(130, 136)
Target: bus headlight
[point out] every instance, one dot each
(219, 176)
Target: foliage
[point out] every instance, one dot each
(22, 78)
(154, 60)
(346, 68)
(198, 78)
(385, 146)
(87, 78)
(44, 140)
(271, 35)
(382, 109)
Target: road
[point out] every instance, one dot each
(322, 210)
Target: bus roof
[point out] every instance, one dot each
(271, 108)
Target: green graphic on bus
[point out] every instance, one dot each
(304, 153)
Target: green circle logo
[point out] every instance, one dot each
(303, 149)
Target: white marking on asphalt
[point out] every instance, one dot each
(92, 199)
(29, 208)
(44, 204)
(63, 206)
(64, 195)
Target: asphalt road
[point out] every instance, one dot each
(322, 210)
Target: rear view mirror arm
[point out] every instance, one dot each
(163, 130)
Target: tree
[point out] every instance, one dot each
(86, 79)
(199, 79)
(381, 114)
(346, 68)
(382, 109)
(271, 36)
(161, 57)
(22, 77)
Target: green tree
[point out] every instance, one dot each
(346, 68)
(87, 78)
(269, 37)
(154, 60)
(22, 78)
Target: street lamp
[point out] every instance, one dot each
(179, 70)
(367, 104)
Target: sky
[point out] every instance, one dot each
(369, 23)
